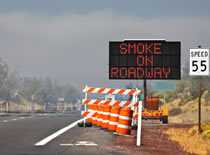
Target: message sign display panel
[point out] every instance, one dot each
(144, 59)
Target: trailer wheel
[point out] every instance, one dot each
(87, 124)
(80, 124)
(165, 119)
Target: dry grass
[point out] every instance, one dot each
(189, 113)
(206, 126)
(190, 140)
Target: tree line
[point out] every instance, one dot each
(42, 90)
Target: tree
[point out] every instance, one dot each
(197, 82)
(3, 72)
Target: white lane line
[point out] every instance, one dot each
(14, 119)
(57, 133)
(5, 120)
(66, 144)
(81, 143)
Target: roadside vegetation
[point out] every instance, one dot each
(20, 91)
(190, 140)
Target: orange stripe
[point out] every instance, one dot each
(111, 91)
(87, 101)
(136, 104)
(132, 92)
(117, 103)
(101, 90)
(127, 103)
(121, 91)
(107, 103)
(96, 102)
(90, 89)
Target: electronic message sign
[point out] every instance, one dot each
(144, 59)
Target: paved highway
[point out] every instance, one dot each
(20, 132)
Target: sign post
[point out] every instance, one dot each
(138, 140)
(199, 66)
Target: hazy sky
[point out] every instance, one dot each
(68, 40)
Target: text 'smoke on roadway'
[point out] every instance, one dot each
(144, 59)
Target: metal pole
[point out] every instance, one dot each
(199, 103)
(199, 106)
(138, 140)
(85, 106)
(145, 93)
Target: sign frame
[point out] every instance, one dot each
(153, 69)
(197, 56)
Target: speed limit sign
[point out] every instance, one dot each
(199, 62)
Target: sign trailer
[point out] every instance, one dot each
(144, 59)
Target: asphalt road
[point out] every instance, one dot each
(20, 132)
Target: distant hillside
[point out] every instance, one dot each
(185, 109)
(163, 85)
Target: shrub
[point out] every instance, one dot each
(175, 111)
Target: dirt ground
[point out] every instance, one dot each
(154, 141)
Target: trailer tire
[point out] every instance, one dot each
(165, 119)
(80, 124)
(87, 124)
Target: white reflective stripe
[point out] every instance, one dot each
(123, 126)
(89, 115)
(113, 123)
(96, 90)
(105, 121)
(122, 103)
(116, 91)
(99, 119)
(126, 91)
(90, 110)
(112, 102)
(114, 115)
(85, 89)
(124, 117)
(102, 101)
(95, 111)
(92, 101)
(106, 90)
(105, 113)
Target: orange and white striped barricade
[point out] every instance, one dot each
(100, 115)
(105, 118)
(113, 118)
(87, 115)
(112, 91)
(95, 105)
(124, 122)
(84, 113)
(94, 117)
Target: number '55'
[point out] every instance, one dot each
(195, 65)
